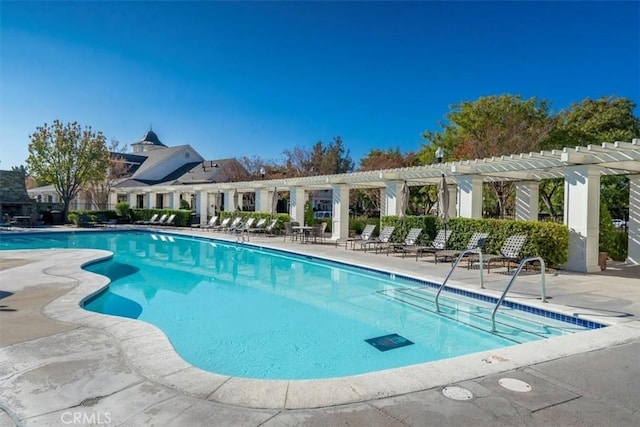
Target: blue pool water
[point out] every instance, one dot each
(252, 312)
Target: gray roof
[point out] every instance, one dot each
(155, 157)
(150, 138)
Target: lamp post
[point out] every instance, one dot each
(439, 155)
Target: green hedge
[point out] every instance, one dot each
(546, 239)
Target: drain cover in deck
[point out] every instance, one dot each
(514, 385)
(457, 393)
(388, 342)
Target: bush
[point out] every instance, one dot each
(545, 239)
(122, 209)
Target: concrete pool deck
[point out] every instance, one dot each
(58, 361)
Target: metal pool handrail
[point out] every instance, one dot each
(453, 267)
(513, 279)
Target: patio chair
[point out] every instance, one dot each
(510, 252)
(383, 239)
(318, 232)
(290, 232)
(439, 243)
(476, 241)
(223, 225)
(409, 244)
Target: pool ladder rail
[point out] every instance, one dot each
(504, 293)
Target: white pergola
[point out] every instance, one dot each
(580, 167)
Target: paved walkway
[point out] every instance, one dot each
(63, 366)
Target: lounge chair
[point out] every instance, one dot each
(212, 222)
(242, 227)
(409, 244)
(476, 242)
(168, 221)
(383, 238)
(439, 243)
(233, 225)
(160, 221)
(153, 218)
(259, 227)
(366, 234)
(510, 252)
(269, 229)
(223, 225)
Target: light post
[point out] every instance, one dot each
(439, 155)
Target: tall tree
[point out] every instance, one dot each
(97, 190)
(67, 157)
(320, 159)
(492, 126)
(593, 121)
(369, 200)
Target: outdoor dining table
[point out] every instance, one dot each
(305, 231)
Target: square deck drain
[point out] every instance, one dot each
(388, 342)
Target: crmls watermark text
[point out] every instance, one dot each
(83, 418)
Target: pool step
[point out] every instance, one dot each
(476, 314)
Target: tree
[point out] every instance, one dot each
(492, 126)
(319, 160)
(67, 157)
(593, 121)
(98, 190)
(369, 200)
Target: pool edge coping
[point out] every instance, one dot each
(149, 350)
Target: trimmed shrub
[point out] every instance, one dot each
(545, 239)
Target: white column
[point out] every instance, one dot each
(262, 201)
(392, 198)
(470, 196)
(633, 256)
(202, 203)
(296, 204)
(112, 200)
(150, 202)
(582, 216)
(174, 200)
(383, 201)
(239, 207)
(133, 200)
(453, 195)
(527, 195)
(340, 226)
(228, 201)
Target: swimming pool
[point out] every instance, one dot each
(253, 312)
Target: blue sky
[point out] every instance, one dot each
(255, 78)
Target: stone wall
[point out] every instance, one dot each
(14, 199)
